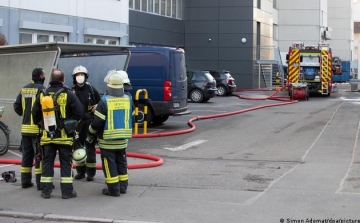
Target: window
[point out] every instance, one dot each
(137, 4)
(162, 7)
(25, 38)
(168, 8)
(41, 37)
(101, 40)
(144, 4)
(275, 4)
(151, 6)
(157, 7)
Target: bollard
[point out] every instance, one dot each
(137, 110)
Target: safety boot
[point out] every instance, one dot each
(89, 178)
(68, 196)
(27, 185)
(105, 191)
(79, 176)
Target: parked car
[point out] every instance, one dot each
(225, 83)
(201, 85)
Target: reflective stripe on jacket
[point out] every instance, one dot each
(23, 106)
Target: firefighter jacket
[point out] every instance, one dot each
(113, 122)
(87, 95)
(24, 104)
(69, 108)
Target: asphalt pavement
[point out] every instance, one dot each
(285, 163)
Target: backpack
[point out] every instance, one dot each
(68, 124)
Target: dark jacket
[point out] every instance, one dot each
(27, 96)
(72, 109)
(88, 96)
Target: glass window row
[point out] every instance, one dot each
(167, 8)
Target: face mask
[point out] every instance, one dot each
(80, 79)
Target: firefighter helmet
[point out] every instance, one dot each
(80, 69)
(115, 81)
(79, 155)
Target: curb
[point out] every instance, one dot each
(55, 217)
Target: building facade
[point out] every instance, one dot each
(216, 34)
(23, 21)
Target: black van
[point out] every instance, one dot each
(162, 72)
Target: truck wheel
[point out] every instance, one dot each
(160, 119)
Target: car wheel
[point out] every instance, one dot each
(196, 96)
(160, 119)
(221, 90)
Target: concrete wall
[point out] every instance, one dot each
(301, 22)
(341, 21)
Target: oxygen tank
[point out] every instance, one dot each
(47, 106)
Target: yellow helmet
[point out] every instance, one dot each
(79, 155)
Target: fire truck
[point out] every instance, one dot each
(309, 70)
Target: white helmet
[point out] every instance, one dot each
(122, 74)
(79, 155)
(80, 69)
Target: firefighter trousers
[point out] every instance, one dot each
(29, 152)
(89, 166)
(115, 169)
(47, 177)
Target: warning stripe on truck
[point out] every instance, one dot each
(294, 66)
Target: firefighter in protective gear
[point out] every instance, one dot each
(29, 130)
(67, 107)
(89, 98)
(113, 126)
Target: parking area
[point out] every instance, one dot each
(293, 161)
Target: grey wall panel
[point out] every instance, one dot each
(235, 53)
(233, 40)
(203, 65)
(243, 81)
(236, 26)
(145, 28)
(202, 3)
(238, 67)
(201, 26)
(202, 40)
(236, 13)
(241, 3)
(150, 21)
(155, 37)
(266, 30)
(202, 14)
(202, 53)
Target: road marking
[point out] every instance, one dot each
(187, 145)
(16, 154)
(349, 99)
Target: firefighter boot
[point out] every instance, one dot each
(90, 171)
(38, 184)
(123, 186)
(26, 180)
(80, 168)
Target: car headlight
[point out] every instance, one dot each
(317, 78)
